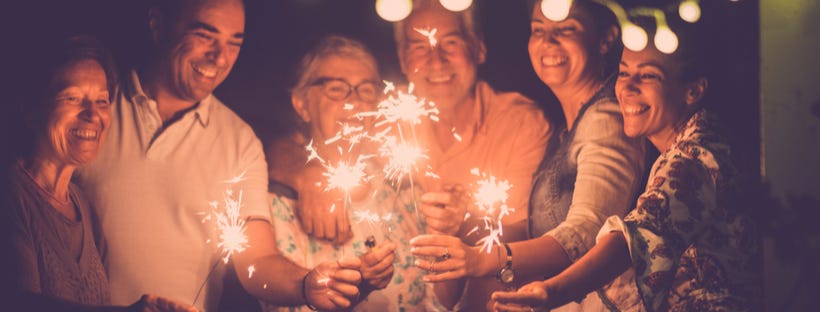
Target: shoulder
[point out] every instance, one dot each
(225, 121)
(602, 121)
(510, 108)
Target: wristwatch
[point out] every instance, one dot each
(506, 275)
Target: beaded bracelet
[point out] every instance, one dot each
(304, 293)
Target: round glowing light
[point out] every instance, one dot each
(634, 37)
(556, 10)
(393, 10)
(456, 5)
(689, 11)
(665, 40)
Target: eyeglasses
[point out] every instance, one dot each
(338, 90)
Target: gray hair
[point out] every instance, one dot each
(333, 45)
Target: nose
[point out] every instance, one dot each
(91, 112)
(438, 56)
(216, 53)
(629, 86)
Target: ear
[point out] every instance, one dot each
(299, 106)
(480, 52)
(695, 91)
(608, 39)
(155, 24)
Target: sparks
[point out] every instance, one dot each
(491, 199)
(401, 158)
(251, 269)
(229, 225)
(430, 34)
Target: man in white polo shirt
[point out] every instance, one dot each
(172, 149)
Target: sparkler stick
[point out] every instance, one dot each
(230, 227)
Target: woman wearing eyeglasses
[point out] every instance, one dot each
(337, 79)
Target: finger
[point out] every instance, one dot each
(353, 263)
(434, 240)
(436, 198)
(436, 251)
(338, 300)
(342, 227)
(345, 289)
(514, 297)
(379, 254)
(509, 307)
(347, 276)
(434, 211)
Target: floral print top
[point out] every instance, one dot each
(386, 214)
(691, 248)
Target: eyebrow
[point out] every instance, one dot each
(647, 64)
(211, 28)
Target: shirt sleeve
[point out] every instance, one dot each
(529, 143)
(610, 167)
(255, 177)
(674, 210)
(24, 270)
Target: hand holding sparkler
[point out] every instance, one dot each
(447, 258)
(333, 285)
(445, 211)
(377, 266)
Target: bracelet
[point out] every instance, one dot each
(304, 293)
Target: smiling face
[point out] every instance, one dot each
(568, 52)
(653, 96)
(325, 115)
(444, 73)
(79, 120)
(200, 47)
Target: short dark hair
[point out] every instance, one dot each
(31, 100)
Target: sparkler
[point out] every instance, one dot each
(230, 227)
(491, 199)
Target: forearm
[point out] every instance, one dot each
(275, 278)
(539, 258)
(603, 263)
(449, 293)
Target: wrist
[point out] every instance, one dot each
(304, 292)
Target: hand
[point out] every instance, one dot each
(445, 211)
(377, 266)
(334, 285)
(151, 303)
(534, 296)
(449, 258)
(313, 208)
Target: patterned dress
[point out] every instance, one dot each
(386, 215)
(692, 249)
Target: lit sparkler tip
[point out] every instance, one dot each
(347, 106)
(251, 269)
(236, 179)
(430, 34)
(388, 86)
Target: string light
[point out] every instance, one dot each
(634, 37)
(689, 11)
(456, 5)
(556, 10)
(393, 10)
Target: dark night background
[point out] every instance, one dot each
(278, 32)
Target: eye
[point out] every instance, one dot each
(235, 43)
(623, 74)
(536, 31)
(650, 76)
(203, 36)
(566, 30)
(103, 102)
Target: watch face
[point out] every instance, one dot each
(507, 276)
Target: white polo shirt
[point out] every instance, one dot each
(151, 186)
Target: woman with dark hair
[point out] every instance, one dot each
(688, 241)
(55, 262)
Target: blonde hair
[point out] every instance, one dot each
(333, 45)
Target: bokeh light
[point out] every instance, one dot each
(456, 5)
(665, 40)
(393, 10)
(689, 11)
(556, 10)
(634, 37)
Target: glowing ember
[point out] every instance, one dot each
(430, 34)
(251, 269)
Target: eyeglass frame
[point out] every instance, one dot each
(323, 81)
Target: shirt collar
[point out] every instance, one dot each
(202, 111)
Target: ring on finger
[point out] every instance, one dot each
(447, 254)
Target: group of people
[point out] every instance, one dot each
(103, 209)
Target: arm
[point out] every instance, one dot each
(604, 262)
(288, 165)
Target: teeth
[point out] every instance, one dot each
(85, 134)
(208, 72)
(553, 60)
(635, 109)
(439, 79)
